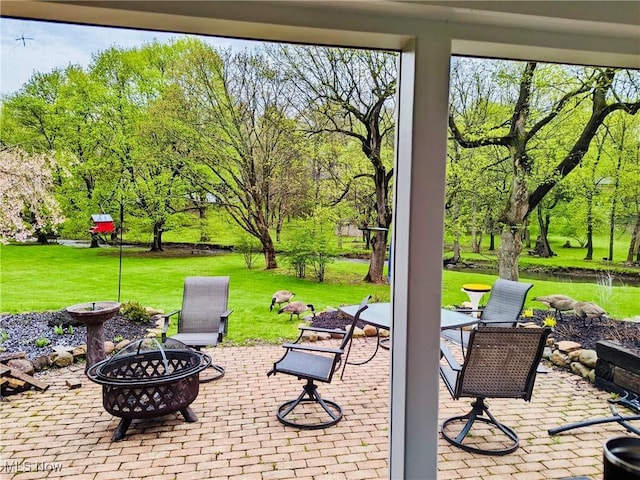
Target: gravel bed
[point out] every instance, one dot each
(18, 333)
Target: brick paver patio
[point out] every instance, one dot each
(65, 433)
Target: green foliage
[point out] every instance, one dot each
(42, 342)
(4, 336)
(60, 330)
(299, 254)
(135, 312)
(308, 248)
(250, 248)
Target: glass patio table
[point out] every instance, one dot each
(378, 315)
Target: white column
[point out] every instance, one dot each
(417, 265)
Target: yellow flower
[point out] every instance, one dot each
(528, 313)
(549, 321)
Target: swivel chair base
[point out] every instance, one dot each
(479, 408)
(332, 409)
(215, 376)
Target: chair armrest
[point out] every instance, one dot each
(326, 330)
(224, 325)
(165, 325)
(312, 348)
(303, 329)
(448, 356)
(468, 310)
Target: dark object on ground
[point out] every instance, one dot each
(628, 400)
(621, 458)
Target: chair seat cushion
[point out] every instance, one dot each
(306, 365)
(197, 339)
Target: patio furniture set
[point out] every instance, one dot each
(498, 359)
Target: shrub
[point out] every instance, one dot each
(134, 312)
(309, 251)
(250, 248)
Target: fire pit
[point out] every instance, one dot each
(149, 379)
(93, 315)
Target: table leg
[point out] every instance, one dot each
(346, 358)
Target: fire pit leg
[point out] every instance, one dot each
(121, 430)
(95, 344)
(188, 415)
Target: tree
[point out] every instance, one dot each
(27, 202)
(536, 108)
(245, 148)
(351, 92)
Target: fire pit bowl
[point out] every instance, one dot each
(149, 379)
(93, 315)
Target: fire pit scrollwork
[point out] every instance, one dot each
(149, 379)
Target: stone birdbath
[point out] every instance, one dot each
(93, 315)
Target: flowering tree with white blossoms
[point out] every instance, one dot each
(27, 201)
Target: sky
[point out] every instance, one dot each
(27, 47)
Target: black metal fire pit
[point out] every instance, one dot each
(149, 379)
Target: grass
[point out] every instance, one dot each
(565, 257)
(52, 277)
(618, 300)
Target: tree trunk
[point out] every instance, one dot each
(589, 245)
(268, 250)
(41, 237)
(475, 244)
(508, 253)
(94, 241)
(202, 215)
(456, 251)
(157, 237)
(492, 241)
(383, 211)
(378, 253)
(543, 223)
(635, 240)
(527, 236)
(514, 217)
(614, 200)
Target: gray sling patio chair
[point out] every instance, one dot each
(203, 319)
(502, 310)
(314, 363)
(500, 362)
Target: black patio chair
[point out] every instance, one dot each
(203, 319)
(314, 363)
(503, 308)
(500, 362)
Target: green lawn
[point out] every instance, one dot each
(564, 257)
(38, 278)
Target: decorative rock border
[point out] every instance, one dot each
(65, 356)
